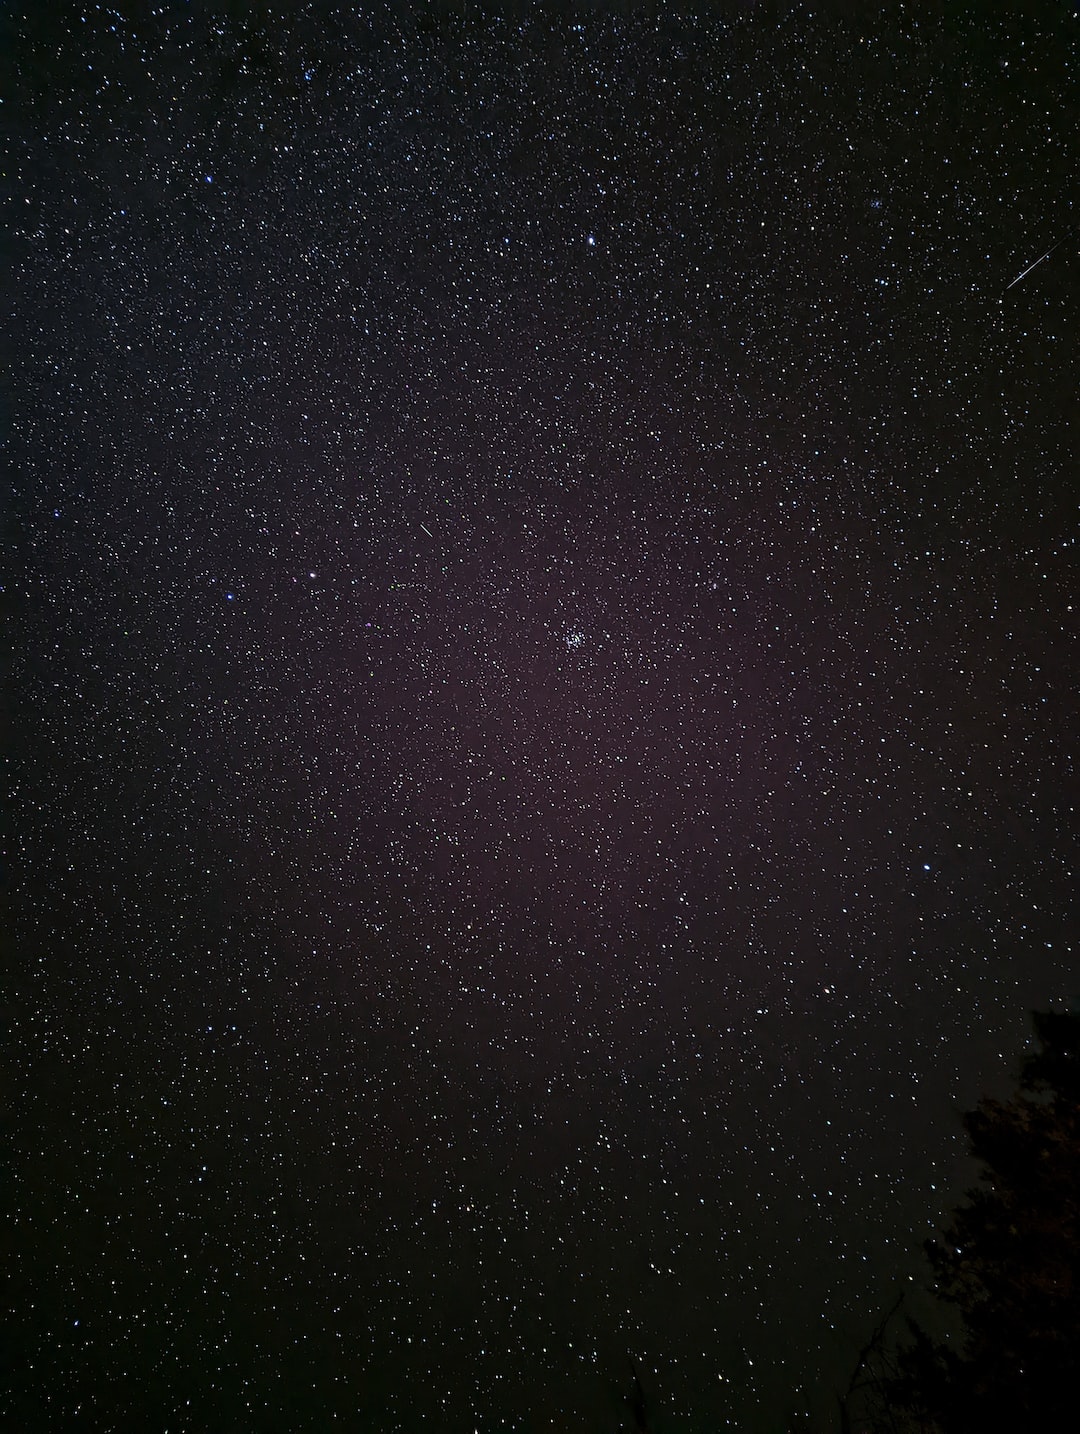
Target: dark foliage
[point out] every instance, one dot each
(1010, 1262)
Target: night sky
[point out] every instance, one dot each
(543, 695)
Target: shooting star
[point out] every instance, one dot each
(1036, 264)
(431, 534)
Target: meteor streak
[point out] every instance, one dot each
(1036, 264)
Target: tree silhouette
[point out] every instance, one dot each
(875, 1368)
(1009, 1263)
(639, 1408)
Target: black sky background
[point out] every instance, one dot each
(543, 607)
